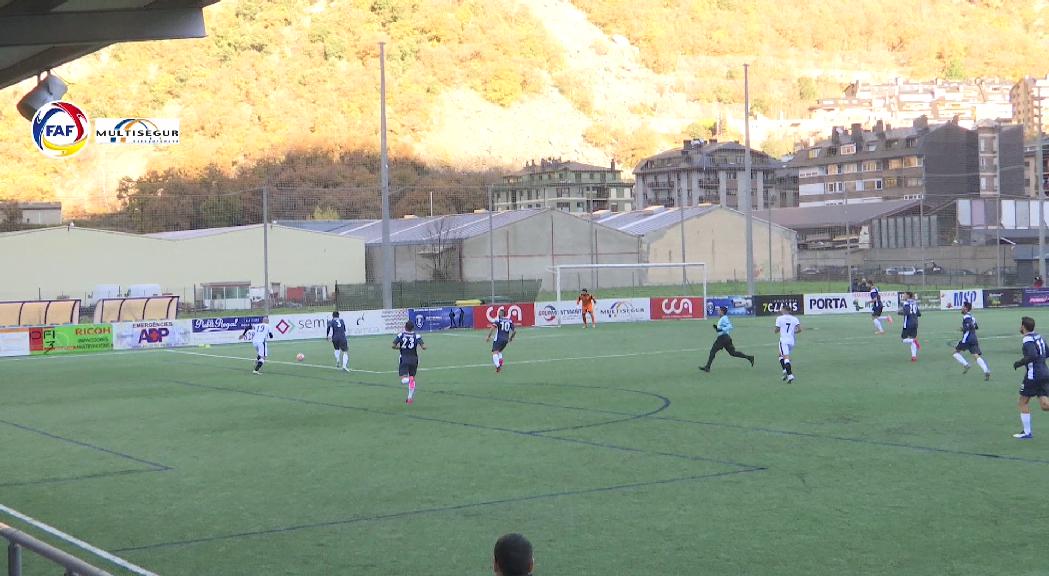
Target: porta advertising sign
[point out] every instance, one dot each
(831, 303)
(14, 342)
(773, 305)
(737, 306)
(70, 339)
(1003, 298)
(221, 330)
(522, 314)
(681, 308)
(152, 334)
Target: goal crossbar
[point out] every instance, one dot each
(641, 266)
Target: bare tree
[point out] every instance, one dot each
(441, 249)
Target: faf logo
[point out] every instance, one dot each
(60, 129)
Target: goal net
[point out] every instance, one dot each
(626, 292)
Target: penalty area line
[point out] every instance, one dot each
(76, 542)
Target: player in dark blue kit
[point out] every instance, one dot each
(970, 343)
(877, 310)
(337, 334)
(505, 335)
(910, 314)
(1036, 375)
(409, 343)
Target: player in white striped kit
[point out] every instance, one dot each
(787, 326)
(260, 333)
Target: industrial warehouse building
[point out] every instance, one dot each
(71, 261)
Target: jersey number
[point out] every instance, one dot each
(407, 342)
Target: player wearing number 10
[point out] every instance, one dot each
(505, 335)
(787, 325)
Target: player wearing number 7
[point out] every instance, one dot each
(787, 326)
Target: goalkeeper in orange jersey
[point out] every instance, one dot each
(587, 302)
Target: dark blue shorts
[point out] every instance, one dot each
(877, 310)
(1032, 388)
(499, 345)
(910, 332)
(408, 367)
(972, 347)
(340, 344)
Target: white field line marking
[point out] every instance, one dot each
(77, 542)
(540, 360)
(249, 358)
(80, 356)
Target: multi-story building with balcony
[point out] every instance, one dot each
(1028, 98)
(564, 185)
(936, 163)
(708, 172)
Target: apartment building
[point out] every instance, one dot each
(1028, 100)
(712, 172)
(1031, 169)
(564, 185)
(937, 163)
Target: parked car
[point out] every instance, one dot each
(811, 272)
(891, 271)
(961, 272)
(908, 271)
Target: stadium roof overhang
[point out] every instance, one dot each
(38, 35)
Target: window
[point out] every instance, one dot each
(892, 182)
(914, 182)
(833, 187)
(872, 147)
(912, 161)
(847, 149)
(811, 172)
(911, 142)
(578, 176)
(877, 184)
(895, 163)
(849, 168)
(814, 153)
(832, 169)
(870, 166)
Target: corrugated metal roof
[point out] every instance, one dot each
(416, 230)
(814, 216)
(641, 222)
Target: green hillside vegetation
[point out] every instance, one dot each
(300, 77)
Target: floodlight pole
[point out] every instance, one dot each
(998, 212)
(747, 211)
(1039, 179)
(491, 245)
(266, 250)
(681, 219)
(387, 253)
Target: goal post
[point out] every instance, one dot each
(685, 276)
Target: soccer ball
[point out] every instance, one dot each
(300, 357)
(404, 380)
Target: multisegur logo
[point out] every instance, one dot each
(60, 129)
(155, 131)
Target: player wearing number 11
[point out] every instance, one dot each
(787, 326)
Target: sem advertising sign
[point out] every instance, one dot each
(1036, 297)
(737, 306)
(772, 305)
(14, 342)
(220, 330)
(1003, 298)
(152, 334)
(953, 299)
(522, 314)
(370, 322)
(832, 303)
(70, 339)
(623, 310)
(680, 308)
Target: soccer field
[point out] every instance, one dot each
(606, 447)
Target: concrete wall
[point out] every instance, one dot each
(72, 261)
(412, 263)
(718, 238)
(528, 248)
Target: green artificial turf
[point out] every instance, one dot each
(606, 447)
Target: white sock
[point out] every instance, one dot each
(337, 354)
(1026, 419)
(914, 349)
(908, 340)
(495, 359)
(982, 365)
(345, 360)
(961, 360)
(877, 325)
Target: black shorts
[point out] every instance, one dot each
(877, 310)
(499, 345)
(408, 367)
(1032, 388)
(340, 344)
(970, 347)
(909, 332)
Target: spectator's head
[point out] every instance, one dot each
(1026, 325)
(335, 314)
(513, 556)
(409, 327)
